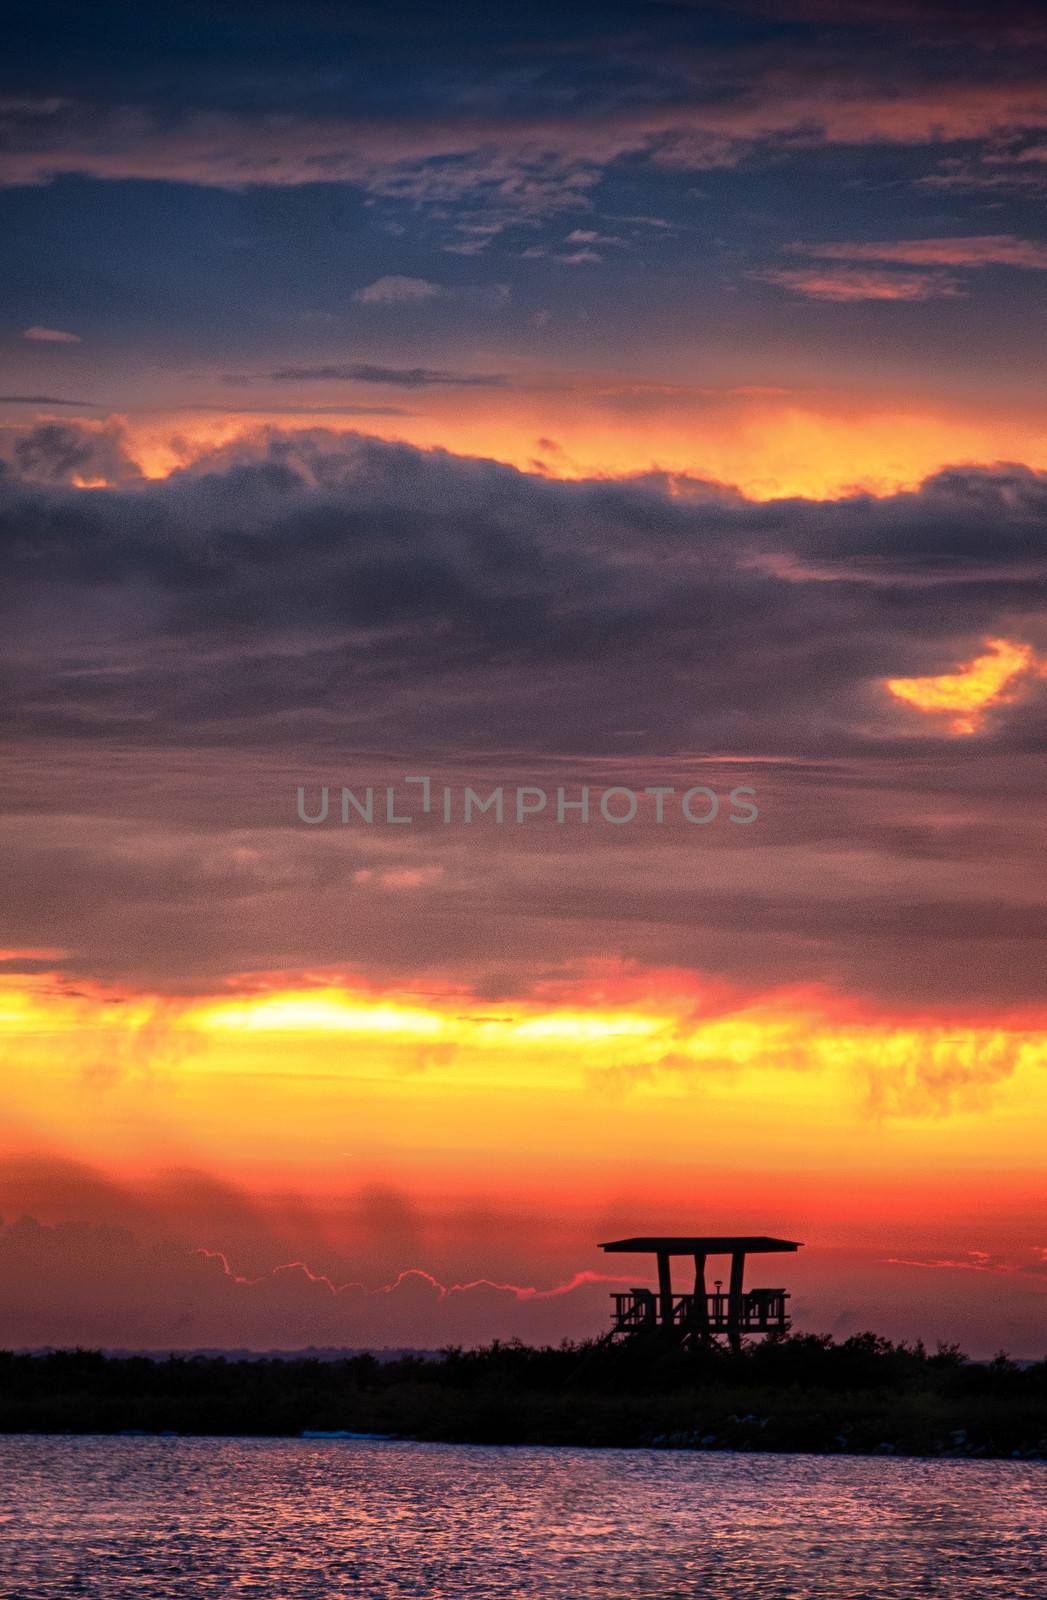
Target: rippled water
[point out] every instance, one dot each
(146, 1518)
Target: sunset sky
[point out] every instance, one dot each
(627, 396)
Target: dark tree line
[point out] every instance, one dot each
(804, 1391)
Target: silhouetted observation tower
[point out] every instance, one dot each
(700, 1317)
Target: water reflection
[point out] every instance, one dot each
(319, 1520)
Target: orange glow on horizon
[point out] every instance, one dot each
(455, 1089)
(768, 443)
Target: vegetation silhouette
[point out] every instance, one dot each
(799, 1392)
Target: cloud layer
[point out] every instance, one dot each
(319, 608)
(322, 572)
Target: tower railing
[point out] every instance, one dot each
(755, 1311)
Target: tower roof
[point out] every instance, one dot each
(686, 1244)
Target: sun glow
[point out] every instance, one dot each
(460, 1104)
(327, 1012)
(654, 1042)
(966, 694)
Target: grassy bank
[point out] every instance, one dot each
(802, 1393)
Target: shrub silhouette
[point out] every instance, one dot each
(796, 1392)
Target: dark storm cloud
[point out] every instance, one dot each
(324, 608)
(318, 575)
(40, 400)
(61, 452)
(397, 377)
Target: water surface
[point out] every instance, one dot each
(278, 1519)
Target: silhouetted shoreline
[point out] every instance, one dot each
(804, 1393)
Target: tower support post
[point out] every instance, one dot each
(700, 1312)
(734, 1300)
(665, 1290)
